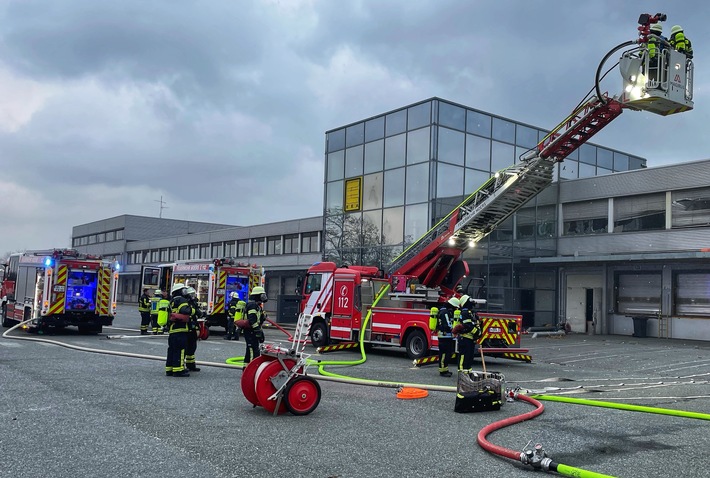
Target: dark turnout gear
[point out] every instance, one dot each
(191, 346)
(144, 309)
(254, 335)
(469, 331)
(181, 311)
(445, 324)
(680, 42)
(235, 312)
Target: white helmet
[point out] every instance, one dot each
(189, 292)
(177, 287)
(463, 300)
(454, 302)
(657, 28)
(676, 29)
(233, 295)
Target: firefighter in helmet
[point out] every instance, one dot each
(144, 309)
(468, 332)
(656, 45)
(680, 42)
(445, 324)
(180, 313)
(163, 312)
(253, 335)
(235, 312)
(193, 325)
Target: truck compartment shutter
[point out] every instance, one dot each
(59, 291)
(103, 292)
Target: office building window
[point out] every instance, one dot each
(217, 250)
(309, 242)
(291, 244)
(336, 165)
(164, 256)
(182, 253)
(119, 234)
(419, 115)
(690, 208)
(375, 129)
(374, 155)
(478, 123)
(273, 245)
(243, 248)
(172, 254)
(230, 249)
(645, 212)
(194, 252)
(258, 246)
(585, 217)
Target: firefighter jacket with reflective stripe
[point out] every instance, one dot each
(143, 303)
(163, 312)
(656, 45)
(471, 325)
(682, 44)
(255, 315)
(236, 309)
(180, 305)
(445, 322)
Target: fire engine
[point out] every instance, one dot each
(57, 288)
(213, 280)
(428, 271)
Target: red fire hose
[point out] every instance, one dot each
(499, 450)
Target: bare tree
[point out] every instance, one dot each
(351, 240)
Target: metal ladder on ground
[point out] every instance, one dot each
(663, 326)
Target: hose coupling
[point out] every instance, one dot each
(535, 457)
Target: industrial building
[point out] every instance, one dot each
(608, 241)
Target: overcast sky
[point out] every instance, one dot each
(220, 107)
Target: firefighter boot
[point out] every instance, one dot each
(181, 373)
(193, 368)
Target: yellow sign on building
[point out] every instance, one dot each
(353, 194)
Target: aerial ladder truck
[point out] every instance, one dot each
(394, 306)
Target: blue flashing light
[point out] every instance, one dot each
(117, 266)
(48, 262)
(211, 267)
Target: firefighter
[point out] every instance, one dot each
(446, 339)
(468, 332)
(194, 328)
(154, 310)
(680, 42)
(235, 312)
(163, 312)
(656, 46)
(253, 335)
(144, 309)
(181, 311)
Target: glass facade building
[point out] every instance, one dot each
(391, 177)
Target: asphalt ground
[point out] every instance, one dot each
(71, 413)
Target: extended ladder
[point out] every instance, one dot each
(499, 197)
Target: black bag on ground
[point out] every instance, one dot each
(477, 401)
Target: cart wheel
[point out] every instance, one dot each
(248, 376)
(263, 386)
(302, 395)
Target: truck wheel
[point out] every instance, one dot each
(416, 345)
(319, 335)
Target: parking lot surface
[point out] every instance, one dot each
(84, 412)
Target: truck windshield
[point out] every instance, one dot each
(313, 283)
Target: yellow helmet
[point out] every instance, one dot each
(258, 290)
(454, 302)
(463, 300)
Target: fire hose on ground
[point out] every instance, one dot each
(536, 457)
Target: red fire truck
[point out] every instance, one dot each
(213, 280)
(57, 288)
(428, 271)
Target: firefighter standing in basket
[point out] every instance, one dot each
(235, 313)
(445, 324)
(144, 309)
(253, 335)
(194, 327)
(468, 332)
(180, 313)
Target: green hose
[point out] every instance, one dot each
(622, 406)
(567, 470)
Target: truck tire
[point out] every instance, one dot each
(319, 335)
(416, 344)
